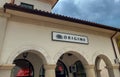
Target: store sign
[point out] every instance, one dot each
(57, 36)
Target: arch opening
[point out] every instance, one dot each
(71, 64)
(23, 68)
(103, 67)
(28, 64)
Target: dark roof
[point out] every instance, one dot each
(56, 16)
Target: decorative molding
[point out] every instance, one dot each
(6, 66)
(116, 66)
(98, 70)
(89, 66)
(50, 66)
(108, 67)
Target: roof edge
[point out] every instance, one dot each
(56, 16)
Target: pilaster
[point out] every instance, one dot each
(90, 71)
(116, 70)
(50, 70)
(98, 72)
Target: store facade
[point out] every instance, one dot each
(41, 44)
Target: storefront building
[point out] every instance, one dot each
(35, 43)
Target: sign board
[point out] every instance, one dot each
(57, 36)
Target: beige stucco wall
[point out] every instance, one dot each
(2, 2)
(3, 21)
(3, 24)
(26, 32)
(37, 4)
(23, 34)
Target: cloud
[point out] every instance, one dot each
(117, 0)
(100, 11)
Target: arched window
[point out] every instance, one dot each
(61, 70)
(23, 68)
(80, 70)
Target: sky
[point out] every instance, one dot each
(105, 12)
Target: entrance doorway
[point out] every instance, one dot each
(71, 65)
(23, 68)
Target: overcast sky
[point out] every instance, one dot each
(100, 11)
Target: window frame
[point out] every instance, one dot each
(29, 6)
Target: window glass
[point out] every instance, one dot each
(25, 5)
